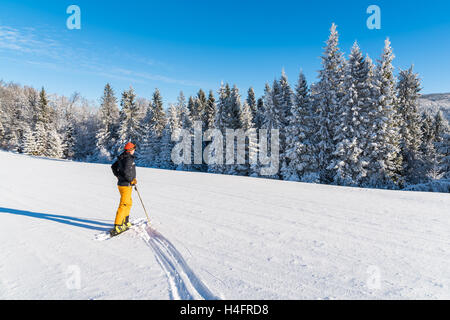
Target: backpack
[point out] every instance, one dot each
(116, 168)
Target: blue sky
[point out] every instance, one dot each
(187, 45)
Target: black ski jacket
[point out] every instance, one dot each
(127, 169)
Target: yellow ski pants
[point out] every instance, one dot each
(125, 204)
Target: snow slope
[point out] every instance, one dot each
(436, 102)
(215, 236)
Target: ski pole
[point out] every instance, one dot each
(148, 219)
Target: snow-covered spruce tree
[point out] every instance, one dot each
(198, 117)
(259, 116)
(165, 149)
(258, 120)
(209, 119)
(222, 106)
(286, 98)
(220, 122)
(408, 89)
(442, 144)
(193, 113)
(270, 120)
(285, 104)
(233, 119)
(257, 113)
(29, 143)
(210, 112)
(185, 123)
(43, 125)
(68, 140)
(246, 116)
(174, 118)
(155, 122)
(69, 126)
(55, 145)
(166, 146)
(32, 97)
(266, 123)
(328, 95)
(440, 125)
(351, 135)
(430, 159)
(199, 106)
(444, 151)
(158, 123)
(145, 157)
(183, 111)
(273, 118)
(191, 107)
(294, 138)
(130, 116)
(299, 147)
(22, 115)
(250, 143)
(233, 122)
(251, 101)
(107, 134)
(383, 152)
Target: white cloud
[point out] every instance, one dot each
(50, 53)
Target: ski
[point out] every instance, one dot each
(112, 233)
(135, 224)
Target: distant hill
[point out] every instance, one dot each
(435, 102)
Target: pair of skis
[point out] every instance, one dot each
(136, 225)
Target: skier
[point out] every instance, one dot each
(125, 171)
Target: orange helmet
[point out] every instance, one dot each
(129, 146)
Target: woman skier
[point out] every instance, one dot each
(125, 171)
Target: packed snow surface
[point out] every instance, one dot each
(215, 237)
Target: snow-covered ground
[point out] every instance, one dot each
(215, 236)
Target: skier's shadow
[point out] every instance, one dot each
(73, 221)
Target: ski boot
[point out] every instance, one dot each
(127, 222)
(118, 229)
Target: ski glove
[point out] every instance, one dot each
(134, 182)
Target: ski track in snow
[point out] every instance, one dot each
(183, 283)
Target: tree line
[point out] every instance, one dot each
(358, 125)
